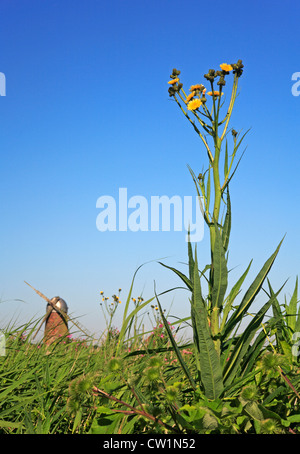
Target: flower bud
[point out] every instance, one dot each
(221, 81)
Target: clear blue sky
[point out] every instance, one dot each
(87, 112)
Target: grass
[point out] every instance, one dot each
(82, 388)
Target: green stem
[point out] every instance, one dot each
(231, 104)
(210, 156)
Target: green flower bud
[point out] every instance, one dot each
(211, 75)
(269, 426)
(171, 91)
(249, 394)
(221, 81)
(114, 365)
(171, 393)
(237, 68)
(152, 373)
(155, 362)
(175, 73)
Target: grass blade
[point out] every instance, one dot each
(175, 346)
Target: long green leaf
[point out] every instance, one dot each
(251, 293)
(126, 322)
(220, 272)
(227, 223)
(182, 276)
(232, 295)
(175, 346)
(278, 320)
(297, 327)
(210, 368)
(191, 259)
(197, 184)
(21, 380)
(226, 160)
(10, 424)
(239, 352)
(291, 309)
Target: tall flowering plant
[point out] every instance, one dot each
(221, 356)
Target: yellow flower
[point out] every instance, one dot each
(190, 97)
(226, 67)
(101, 293)
(216, 93)
(196, 87)
(194, 104)
(173, 81)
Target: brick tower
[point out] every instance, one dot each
(56, 325)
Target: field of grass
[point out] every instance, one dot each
(148, 386)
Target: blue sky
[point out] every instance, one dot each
(87, 112)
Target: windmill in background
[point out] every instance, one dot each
(56, 319)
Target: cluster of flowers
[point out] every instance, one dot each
(138, 300)
(197, 97)
(116, 299)
(110, 306)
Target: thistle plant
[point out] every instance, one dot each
(109, 309)
(221, 356)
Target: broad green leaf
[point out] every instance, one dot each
(210, 368)
(220, 272)
(253, 410)
(106, 424)
(77, 420)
